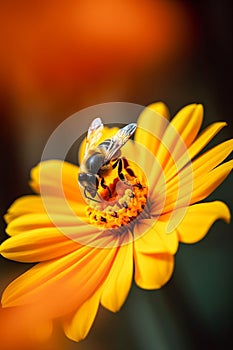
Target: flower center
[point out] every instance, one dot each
(122, 201)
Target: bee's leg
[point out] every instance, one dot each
(127, 168)
(105, 186)
(130, 172)
(120, 164)
(114, 165)
(123, 164)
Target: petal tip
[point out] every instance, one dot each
(159, 107)
(200, 107)
(226, 214)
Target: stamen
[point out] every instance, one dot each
(128, 199)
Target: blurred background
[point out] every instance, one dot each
(58, 57)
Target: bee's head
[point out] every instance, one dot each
(87, 180)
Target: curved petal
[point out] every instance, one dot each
(25, 205)
(62, 285)
(210, 159)
(188, 122)
(77, 325)
(56, 178)
(117, 285)
(187, 190)
(199, 218)
(37, 245)
(33, 204)
(207, 184)
(179, 134)
(204, 164)
(37, 220)
(152, 124)
(152, 271)
(153, 238)
(203, 139)
(161, 108)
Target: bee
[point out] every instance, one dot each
(100, 159)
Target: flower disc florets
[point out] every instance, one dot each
(121, 205)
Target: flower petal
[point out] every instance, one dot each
(77, 326)
(33, 221)
(154, 238)
(25, 205)
(173, 146)
(179, 134)
(152, 124)
(117, 285)
(188, 122)
(195, 148)
(35, 204)
(152, 271)
(205, 163)
(210, 159)
(62, 285)
(187, 194)
(206, 185)
(153, 261)
(190, 188)
(56, 178)
(37, 245)
(204, 138)
(199, 218)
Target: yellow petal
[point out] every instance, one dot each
(35, 204)
(210, 159)
(152, 271)
(159, 107)
(117, 285)
(193, 186)
(56, 178)
(37, 245)
(37, 220)
(207, 184)
(188, 122)
(152, 124)
(199, 218)
(24, 205)
(194, 149)
(179, 134)
(62, 285)
(190, 193)
(153, 238)
(204, 138)
(77, 326)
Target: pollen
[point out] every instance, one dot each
(127, 200)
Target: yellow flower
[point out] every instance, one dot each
(87, 252)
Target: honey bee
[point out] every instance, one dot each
(100, 159)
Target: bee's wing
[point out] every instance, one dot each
(93, 135)
(118, 140)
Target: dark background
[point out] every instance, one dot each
(53, 64)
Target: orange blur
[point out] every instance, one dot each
(52, 50)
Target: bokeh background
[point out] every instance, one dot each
(58, 57)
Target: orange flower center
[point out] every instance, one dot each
(122, 201)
